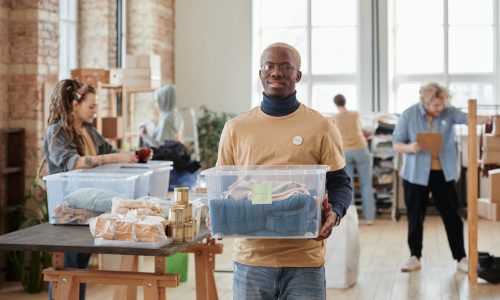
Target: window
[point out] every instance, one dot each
(451, 42)
(326, 34)
(67, 37)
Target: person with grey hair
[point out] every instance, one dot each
(283, 131)
(425, 171)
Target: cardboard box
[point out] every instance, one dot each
(116, 76)
(432, 141)
(142, 73)
(90, 76)
(112, 127)
(488, 210)
(143, 61)
(494, 185)
(141, 83)
(491, 157)
(491, 143)
(496, 126)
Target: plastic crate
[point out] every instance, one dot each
(160, 178)
(143, 185)
(266, 201)
(60, 185)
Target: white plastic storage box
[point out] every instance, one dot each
(75, 197)
(161, 174)
(266, 201)
(143, 185)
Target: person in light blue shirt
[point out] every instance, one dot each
(425, 171)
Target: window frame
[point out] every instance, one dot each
(308, 79)
(70, 24)
(445, 78)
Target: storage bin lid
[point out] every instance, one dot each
(153, 165)
(78, 176)
(140, 171)
(267, 170)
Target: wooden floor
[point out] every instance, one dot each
(383, 251)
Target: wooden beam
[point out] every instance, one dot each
(472, 190)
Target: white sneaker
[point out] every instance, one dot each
(463, 265)
(369, 222)
(412, 264)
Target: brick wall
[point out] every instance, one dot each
(97, 33)
(33, 59)
(153, 34)
(29, 53)
(4, 65)
(97, 39)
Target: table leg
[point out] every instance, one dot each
(151, 291)
(128, 263)
(204, 255)
(58, 264)
(160, 269)
(69, 288)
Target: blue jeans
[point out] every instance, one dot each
(362, 161)
(76, 261)
(265, 283)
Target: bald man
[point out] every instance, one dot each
(282, 131)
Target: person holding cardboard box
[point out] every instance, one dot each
(282, 131)
(425, 135)
(72, 143)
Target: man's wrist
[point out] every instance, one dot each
(337, 220)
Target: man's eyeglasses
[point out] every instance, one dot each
(283, 68)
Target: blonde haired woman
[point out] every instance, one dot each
(426, 171)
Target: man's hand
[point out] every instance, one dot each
(328, 219)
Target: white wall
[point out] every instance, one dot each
(213, 54)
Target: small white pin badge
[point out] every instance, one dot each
(297, 140)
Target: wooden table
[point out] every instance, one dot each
(59, 239)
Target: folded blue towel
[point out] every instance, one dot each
(295, 216)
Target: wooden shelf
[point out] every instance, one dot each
(12, 177)
(127, 109)
(12, 130)
(11, 170)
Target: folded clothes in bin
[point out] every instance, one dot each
(295, 216)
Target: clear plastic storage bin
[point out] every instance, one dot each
(143, 185)
(75, 197)
(160, 178)
(266, 201)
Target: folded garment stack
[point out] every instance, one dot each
(291, 217)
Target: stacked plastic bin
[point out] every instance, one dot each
(158, 185)
(142, 186)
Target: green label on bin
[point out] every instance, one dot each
(261, 193)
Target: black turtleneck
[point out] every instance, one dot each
(279, 107)
(338, 183)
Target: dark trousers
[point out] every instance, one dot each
(445, 199)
